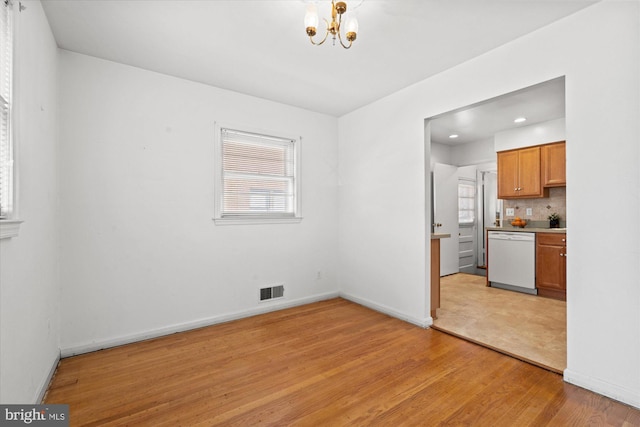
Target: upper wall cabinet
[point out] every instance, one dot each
(519, 174)
(554, 165)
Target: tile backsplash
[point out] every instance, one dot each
(541, 208)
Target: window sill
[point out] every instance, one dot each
(254, 221)
(9, 228)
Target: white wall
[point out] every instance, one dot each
(484, 151)
(441, 153)
(141, 255)
(383, 183)
(468, 172)
(527, 136)
(29, 285)
(474, 153)
(383, 194)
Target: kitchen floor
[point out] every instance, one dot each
(528, 327)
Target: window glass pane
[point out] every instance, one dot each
(465, 217)
(466, 202)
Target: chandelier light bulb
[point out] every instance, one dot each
(351, 28)
(311, 19)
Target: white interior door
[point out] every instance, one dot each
(467, 251)
(445, 215)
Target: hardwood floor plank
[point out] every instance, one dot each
(328, 363)
(499, 394)
(538, 405)
(390, 385)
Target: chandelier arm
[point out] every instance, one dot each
(325, 35)
(340, 37)
(342, 43)
(319, 43)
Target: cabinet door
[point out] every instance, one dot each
(507, 174)
(529, 183)
(551, 265)
(554, 165)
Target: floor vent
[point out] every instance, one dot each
(271, 292)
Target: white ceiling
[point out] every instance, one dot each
(539, 103)
(259, 47)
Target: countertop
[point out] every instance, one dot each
(439, 236)
(528, 229)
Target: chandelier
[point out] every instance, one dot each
(334, 27)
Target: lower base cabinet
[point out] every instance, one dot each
(551, 265)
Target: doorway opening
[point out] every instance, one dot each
(463, 146)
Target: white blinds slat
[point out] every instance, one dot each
(6, 70)
(6, 51)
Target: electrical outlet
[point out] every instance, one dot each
(510, 212)
(529, 211)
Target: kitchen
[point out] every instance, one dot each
(522, 260)
(504, 186)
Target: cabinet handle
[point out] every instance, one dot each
(564, 240)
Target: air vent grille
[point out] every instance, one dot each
(271, 292)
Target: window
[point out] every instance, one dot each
(466, 202)
(257, 177)
(6, 147)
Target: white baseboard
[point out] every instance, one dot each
(621, 394)
(182, 327)
(45, 385)
(423, 323)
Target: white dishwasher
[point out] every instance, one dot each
(512, 261)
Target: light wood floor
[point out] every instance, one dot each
(332, 363)
(529, 327)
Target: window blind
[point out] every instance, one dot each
(6, 69)
(258, 175)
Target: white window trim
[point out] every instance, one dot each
(253, 219)
(9, 228)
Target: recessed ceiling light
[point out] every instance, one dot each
(454, 136)
(520, 120)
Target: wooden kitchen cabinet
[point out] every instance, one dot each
(507, 174)
(551, 265)
(554, 165)
(519, 174)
